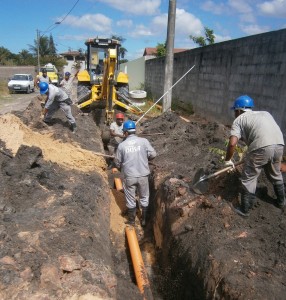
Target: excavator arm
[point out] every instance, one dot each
(103, 89)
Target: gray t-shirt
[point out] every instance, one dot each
(56, 94)
(41, 78)
(115, 140)
(257, 129)
(132, 156)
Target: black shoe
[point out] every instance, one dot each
(48, 122)
(73, 127)
(239, 211)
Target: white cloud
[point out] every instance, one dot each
(142, 7)
(124, 23)
(220, 38)
(240, 6)
(186, 24)
(254, 29)
(69, 37)
(97, 22)
(215, 8)
(276, 8)
(139, 31)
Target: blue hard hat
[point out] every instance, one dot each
(44, 87)
(67, 73)
(129, 126)
(243, 102)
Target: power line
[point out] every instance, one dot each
(49, 29)
(67, 13)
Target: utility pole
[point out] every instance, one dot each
(167, 101)
(38, 49)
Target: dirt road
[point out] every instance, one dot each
(15, 102)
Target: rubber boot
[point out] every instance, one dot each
(144, 216)
(247, 202)
(280, 194)
(73, 127)
(131, 216)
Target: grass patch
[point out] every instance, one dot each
(4, 91)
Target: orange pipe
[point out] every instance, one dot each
(138, 264)
(118, 184)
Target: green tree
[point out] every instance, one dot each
(24, 57)
(44, 48)
(161, 49)
(5, 55)
(122, 50)
(208, 39)
(52, 47)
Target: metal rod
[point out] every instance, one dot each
(165, 93)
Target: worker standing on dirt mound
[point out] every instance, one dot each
(132, 158)
(264, 139)
(69, 84)
(56, 99)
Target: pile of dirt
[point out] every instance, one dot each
(206, 250)
(55, 211)
(62, 229)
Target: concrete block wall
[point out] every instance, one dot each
(254, 65)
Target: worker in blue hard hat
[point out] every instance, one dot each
(132, 159)
(56, 99)
(265, 142)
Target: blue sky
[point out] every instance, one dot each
(143, 23)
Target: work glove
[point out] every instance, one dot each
(229, 163)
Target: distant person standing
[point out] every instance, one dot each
(132, 158)
(69, 84)
(42, 78)
(57, 98)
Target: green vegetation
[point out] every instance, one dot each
(47, 51)
(239, 151)
(161, 49)
(208, 39)
(3, 88)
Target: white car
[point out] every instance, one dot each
(21, 83)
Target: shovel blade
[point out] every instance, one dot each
(200, 184)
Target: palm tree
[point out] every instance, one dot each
(44, 48)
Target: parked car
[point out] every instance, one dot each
(21, 83)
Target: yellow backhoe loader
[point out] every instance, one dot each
(101, 84)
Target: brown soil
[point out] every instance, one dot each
(62, 229)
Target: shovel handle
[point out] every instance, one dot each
(225, 169)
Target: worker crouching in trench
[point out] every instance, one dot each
(132, 158)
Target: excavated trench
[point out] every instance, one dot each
(62, 220)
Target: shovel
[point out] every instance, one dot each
(200, 184)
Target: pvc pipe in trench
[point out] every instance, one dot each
(138, 264)
(118, 184)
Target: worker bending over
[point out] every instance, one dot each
(56, 99)
(264, 139)
(132, 158)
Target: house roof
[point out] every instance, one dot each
(153, 51)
